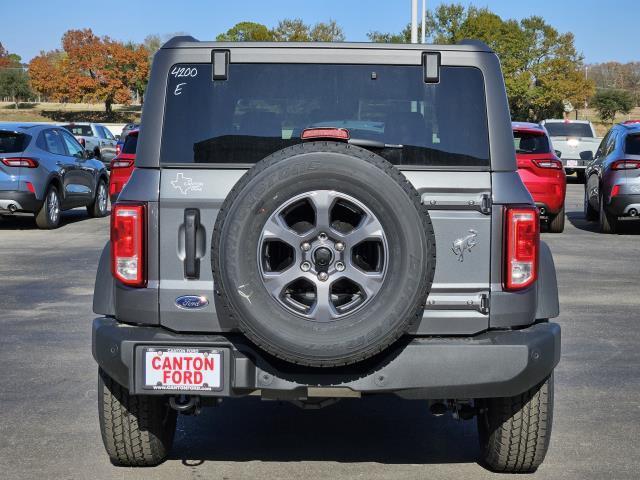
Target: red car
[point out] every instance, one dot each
(542, 172)
(122, 165)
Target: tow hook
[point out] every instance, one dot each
(185, 404)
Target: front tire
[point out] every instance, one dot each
(515, 431)
(98, 208)
(556, 224)
(50, 214)
(137, 430)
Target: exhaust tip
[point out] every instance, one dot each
(633, 212)
(543, 211)
(12, 207)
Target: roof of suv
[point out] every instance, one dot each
(464, 45)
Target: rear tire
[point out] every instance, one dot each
(98, 208)
(50, 214)
(556, 224)
(515, 431)
(137, 430)
(608, 224)
(589, 212)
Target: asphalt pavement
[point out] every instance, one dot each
(48, 381)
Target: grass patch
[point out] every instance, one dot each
(68, 112)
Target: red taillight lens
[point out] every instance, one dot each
(20, 162)
(548, 163)
(330, 133)
(615, 191)
(118, 149)
(522, 242)
(625, 165)
(128, 244)
(30, 187)
(119, 163)
(81, 141)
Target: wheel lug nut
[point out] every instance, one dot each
(322, 276)
(306, 246)
(339, 246)
(305, 266)
(322, 236)
(340, 266)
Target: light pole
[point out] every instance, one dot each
(424, 19)
(414, 21)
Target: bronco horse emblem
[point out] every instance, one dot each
(464, 244)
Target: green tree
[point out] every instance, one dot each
(610, 102)
(327, 32)
(291, 30)
(247, 32)
(541, 66)
(14, 83)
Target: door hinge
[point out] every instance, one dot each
(485, 203)
(484, 303)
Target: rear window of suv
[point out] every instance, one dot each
(13, 142)
(262, 108)
(632, 145)
(530, 142)
(130, 144)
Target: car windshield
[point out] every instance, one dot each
(13, 142)
(263, 108)
(568, 129)
(80, 130)
(530, 142)
(632, 145)
(130, 144)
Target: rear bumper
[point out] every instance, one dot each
(493, 364)
(22, 201)
(620, 205)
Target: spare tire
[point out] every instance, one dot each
(324, 254)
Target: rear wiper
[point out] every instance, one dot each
(361, 142)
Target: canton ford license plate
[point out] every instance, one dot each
(181, 368)
(572, 163)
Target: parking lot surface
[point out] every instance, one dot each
(48, 407)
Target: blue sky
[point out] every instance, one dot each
(603, 32)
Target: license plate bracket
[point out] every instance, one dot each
(182, 369)
(572, 163)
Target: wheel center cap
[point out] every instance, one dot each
(322, 257)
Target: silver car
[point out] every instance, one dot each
(44, 170)
(612, 188)
(96, 138)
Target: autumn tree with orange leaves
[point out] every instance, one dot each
(90, 69)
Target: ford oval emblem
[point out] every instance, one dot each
(192, 302)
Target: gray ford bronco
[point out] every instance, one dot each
(309, 222)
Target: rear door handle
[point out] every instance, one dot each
(191, 224)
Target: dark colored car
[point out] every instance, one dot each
(542, 172)
(44, 170)
(313, 222)
(122, 165)
(612, 189)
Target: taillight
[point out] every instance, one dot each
(119, 163)
(548, 163)
(128, 244)
(615, 191)
(625, 165)
(81, 141)
(20, 162)
(118, 149)
(329, 133)
(522, 242)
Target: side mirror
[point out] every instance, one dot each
(586, 155)
(117, 137)
(88, 154)
(558, 153)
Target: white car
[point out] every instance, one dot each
(95, 138)
(576, 141)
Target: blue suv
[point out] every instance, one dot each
(612, 188)
(44, 170)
